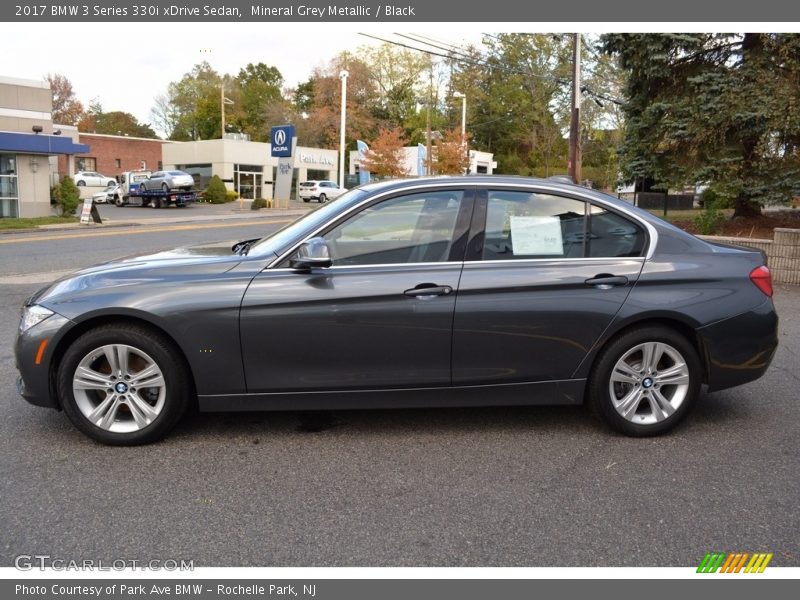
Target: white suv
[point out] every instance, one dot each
(321, 191)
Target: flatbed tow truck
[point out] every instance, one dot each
(133, 195)
(161, 198)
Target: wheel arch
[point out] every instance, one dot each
(678, 323)
(104, 319)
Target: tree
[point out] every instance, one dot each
(69, 196)
(67, 109)
(191, 109)
(450, 154)
(320, 127)
(215, 193)
(721, 109)
(96, 120)
(386, 155)
(256, 92)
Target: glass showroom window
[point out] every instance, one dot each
(9, 200)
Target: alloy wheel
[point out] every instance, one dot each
(119, 388)
(649, 383)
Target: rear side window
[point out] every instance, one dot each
(613, 235)
(523, 225)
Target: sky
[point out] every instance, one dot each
(126, 70)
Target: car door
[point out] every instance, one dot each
(379, 317)
(545, 275)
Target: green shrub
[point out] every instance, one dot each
(215, 193)
(258, 203)
(710, 219)
(231, 195)
(68, 197)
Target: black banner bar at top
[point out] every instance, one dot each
(400, 11)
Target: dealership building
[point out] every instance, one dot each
(28, 145)
(245, 166)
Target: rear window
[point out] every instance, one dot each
(307, 184)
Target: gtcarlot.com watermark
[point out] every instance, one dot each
(44, 562)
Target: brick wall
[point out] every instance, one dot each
(107, 149)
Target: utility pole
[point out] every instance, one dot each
(343, 75)
(428, 157)
(575, 120)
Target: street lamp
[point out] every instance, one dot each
(343, 76)
(222, 102)
(463, 123)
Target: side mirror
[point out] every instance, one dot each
(312, 253)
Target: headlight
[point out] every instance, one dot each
(33, 315)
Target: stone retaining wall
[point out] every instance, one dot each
(783, 252)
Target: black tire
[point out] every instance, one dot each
(80, 183)
(306, 200)
(177, 384)
(165, 188)
(323, 198)
(156, 203)
(639, 423)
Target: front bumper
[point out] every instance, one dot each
(34, 382)
(740, 349)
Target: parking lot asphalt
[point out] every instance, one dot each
(461, 487)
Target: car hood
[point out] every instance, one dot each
(177, 266)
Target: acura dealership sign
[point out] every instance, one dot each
(282, 137)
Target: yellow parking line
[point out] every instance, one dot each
(63, 236)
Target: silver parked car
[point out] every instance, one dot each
(167, 181)
(111, 194)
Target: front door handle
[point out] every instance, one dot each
(605, 281)
(428, 290)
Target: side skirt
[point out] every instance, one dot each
(516, 394)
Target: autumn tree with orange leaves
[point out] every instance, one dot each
(450, 154)
(386, 157)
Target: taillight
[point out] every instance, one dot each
(762, 279)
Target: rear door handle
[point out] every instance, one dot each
(426, 290)
(604, 281)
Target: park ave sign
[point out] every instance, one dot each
(312, 159)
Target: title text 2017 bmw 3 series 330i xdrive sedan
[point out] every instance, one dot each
(459, 291)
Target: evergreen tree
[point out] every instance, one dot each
(722, 109)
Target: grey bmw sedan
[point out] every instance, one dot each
(457, 291)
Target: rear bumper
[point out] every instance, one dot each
(740, 349)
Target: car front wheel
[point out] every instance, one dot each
(121, 385)
(323, 198)
(645, 381)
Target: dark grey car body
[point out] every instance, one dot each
(257, 334)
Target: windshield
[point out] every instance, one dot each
(279, 241)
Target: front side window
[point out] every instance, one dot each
(525, 225)
(407, 229)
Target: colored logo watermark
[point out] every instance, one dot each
(734, 562)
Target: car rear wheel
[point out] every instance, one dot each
(121, 385)
(165, 188)
(323, 198)
(645, 381)
(80, 183)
